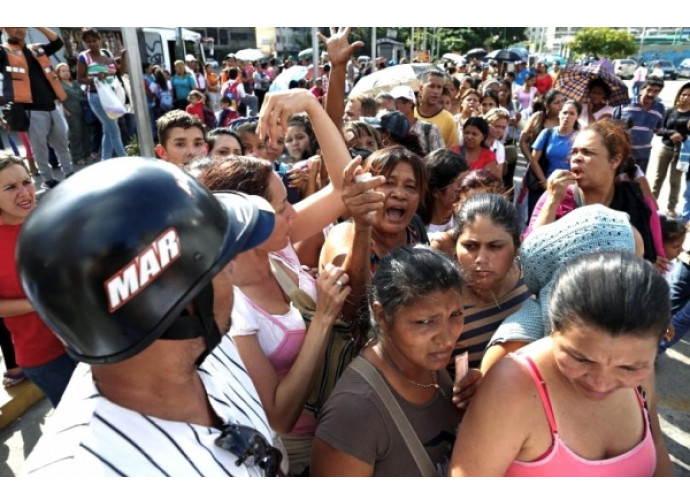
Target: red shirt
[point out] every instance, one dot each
(34, 343)
(486, 156)
(197, 109)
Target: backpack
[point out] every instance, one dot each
(233, 95)
(209, 118)
(165, 99)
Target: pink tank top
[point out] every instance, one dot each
(282, 358)
(559, 460)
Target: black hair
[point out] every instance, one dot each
(408, 273)
(302, 121)
(89, 32)
(494, 206)
(578, 107)
(653, 80)
(216, 132)
(479, 123)
(671, 229)
(551, 95)
(614, 291)
(443, 166)
(490, 93)
(601, 83)
(159, 79)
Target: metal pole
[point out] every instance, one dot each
(136, 79)
(373, 47)
(179, 46)
(315, 53)
(424, 46)
(412, 45)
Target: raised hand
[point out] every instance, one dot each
(360, 198)
(339, 49)
(277, 109)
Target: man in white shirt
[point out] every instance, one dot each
(150, 297)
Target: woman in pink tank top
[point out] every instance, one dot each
(573, 404)
(282, 357)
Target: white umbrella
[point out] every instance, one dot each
(389, 77)
(296, 73)
(250, 55)
(455, 58)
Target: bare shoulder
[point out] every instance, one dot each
(337, 244)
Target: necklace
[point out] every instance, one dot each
(434, 379)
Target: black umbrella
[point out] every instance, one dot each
(477, 53)
(504, 55)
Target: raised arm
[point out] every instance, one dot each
(349, 244)
(556, 189)
(339, 53)
(326, 205)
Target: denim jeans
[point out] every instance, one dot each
(684, 215)
(52, 378)
(112, 141)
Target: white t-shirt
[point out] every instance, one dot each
(247, 320)
(499, 149)
(90, 436)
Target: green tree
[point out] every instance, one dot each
(609, 42)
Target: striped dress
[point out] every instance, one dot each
(481, 321)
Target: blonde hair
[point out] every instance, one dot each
(59, 67)
(495, 114)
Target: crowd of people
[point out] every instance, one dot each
(343, 285)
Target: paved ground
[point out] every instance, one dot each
(673, 377)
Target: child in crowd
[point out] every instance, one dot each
(225, 115)
(196, 104)
(182, 137)
(673, 235)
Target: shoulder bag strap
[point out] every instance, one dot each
(283, 279)
(304, 303)
(414, 445)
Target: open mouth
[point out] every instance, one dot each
(395, 214)
(26, 205)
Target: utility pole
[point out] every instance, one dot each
(315, 53)
(136, 77)
(411, 44)
(179, 46)
(373, 47)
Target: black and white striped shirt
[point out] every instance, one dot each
(91, 436)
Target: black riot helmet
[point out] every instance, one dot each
(112, 256)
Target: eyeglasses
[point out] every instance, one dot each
(251, 448)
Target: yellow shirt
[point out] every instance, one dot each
(445, 123)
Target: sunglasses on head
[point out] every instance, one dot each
(251, 448)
